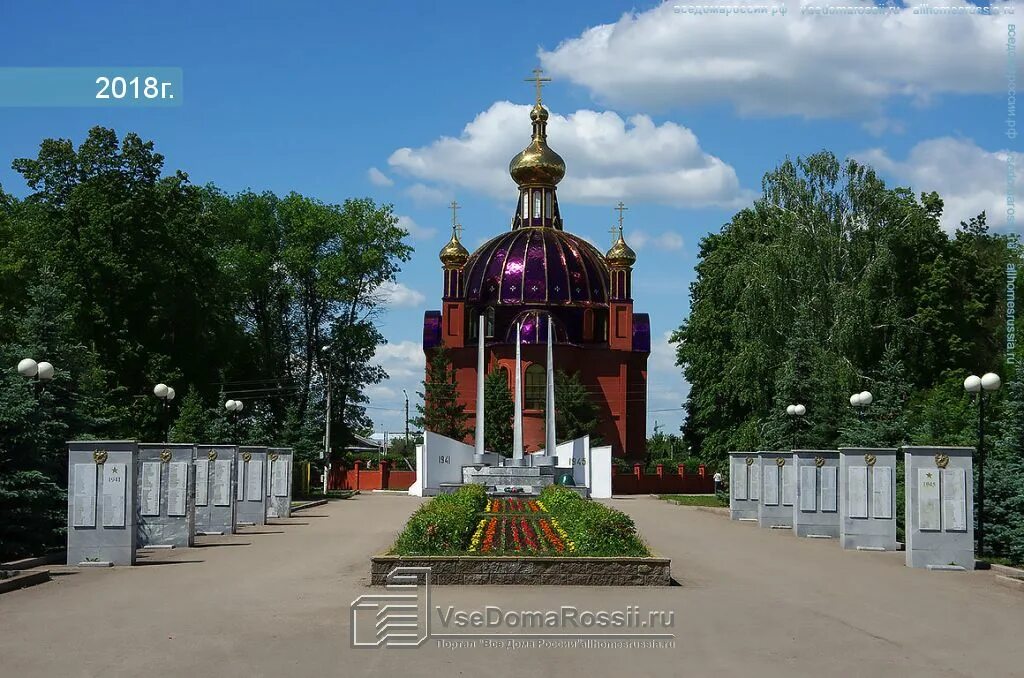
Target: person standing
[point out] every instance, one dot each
(718, 481)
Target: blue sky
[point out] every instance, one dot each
(679, 115)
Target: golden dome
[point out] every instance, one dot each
(620, 255)
(537, 163)
(454, 255)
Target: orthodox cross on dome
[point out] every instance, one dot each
(620, 209)
(455, 219)
(615, 231)
(538, 82)
(456, 226)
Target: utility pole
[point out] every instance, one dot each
(327, 435)
(406, 420)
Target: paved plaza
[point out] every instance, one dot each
(274, 601)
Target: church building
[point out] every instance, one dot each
(537, 273)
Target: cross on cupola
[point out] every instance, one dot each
(537, 169)
(538, 82)
(620, 259)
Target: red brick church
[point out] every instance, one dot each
(538, 273)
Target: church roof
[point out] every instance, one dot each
(537, 265)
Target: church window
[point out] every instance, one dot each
(536, 204)
(533, 389)
(489, 323)
(548, 204)
(474, 325)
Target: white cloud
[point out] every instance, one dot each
(967, 177)
(799, 63)
(415, 230)
(667, 240)
(404, 362)
(397, 295)
(667, 390)
(378, 178)
(608, 159)
(426, 195)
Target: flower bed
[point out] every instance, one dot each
(559, 523)
(518, 534)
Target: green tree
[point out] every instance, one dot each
(440, 410)
(575, 412)
(192, 424)
(498, 413)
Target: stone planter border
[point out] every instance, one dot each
(530, 571)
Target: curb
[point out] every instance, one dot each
(21, 581)
(309, 504)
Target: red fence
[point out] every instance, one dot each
(359, 478)
(663, 481)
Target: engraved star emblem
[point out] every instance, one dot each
(928, 475)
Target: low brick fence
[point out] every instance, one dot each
(680, 480)
(522, 571)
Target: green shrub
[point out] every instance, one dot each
(596, 529)
(444, 524)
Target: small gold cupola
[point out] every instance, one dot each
(454, 257)
(620, 259)
(537, 170)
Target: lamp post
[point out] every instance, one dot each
(40, 372)
(861, 401)
(234, 407)
(796, 411)
(975, 384)
(165, 394)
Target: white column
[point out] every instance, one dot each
(517, 425)
(549, 420)
(478, 436)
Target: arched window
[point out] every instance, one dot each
(533, 389)
(474, 325)
(489, 323)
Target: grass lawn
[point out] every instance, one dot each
(694, 499)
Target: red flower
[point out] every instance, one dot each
(529, 535)
(550, 535)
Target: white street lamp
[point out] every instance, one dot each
(44, 371)
(170, 393)
(28, 368)
(799, 410)
(160, 391)
(990, 381)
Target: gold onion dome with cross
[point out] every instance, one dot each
(537, 164)
(454, 255)
(620, 255)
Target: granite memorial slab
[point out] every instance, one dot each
(251, 493)
(216, 470)
(279, 482)
(744, 485)
(102, 502)
(778, 489)
(867, 499)
(166, 481)
(939, 507)
(816, 510)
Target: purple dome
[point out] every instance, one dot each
(537, 265)
(535, 328)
